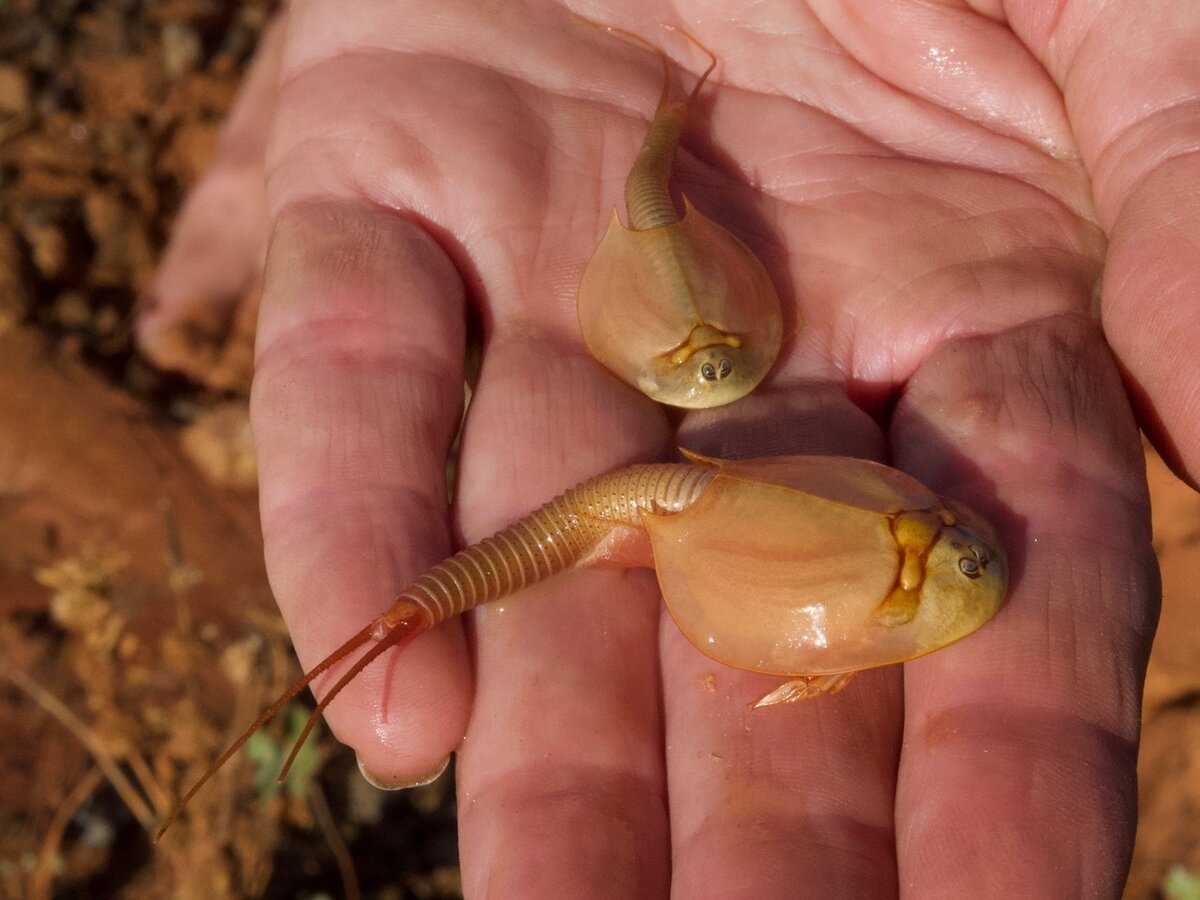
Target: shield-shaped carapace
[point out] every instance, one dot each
(674, 304)
(808, 567)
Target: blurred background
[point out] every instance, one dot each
(137, 631)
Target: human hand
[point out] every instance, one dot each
(915, 187)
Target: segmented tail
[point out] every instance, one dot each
(546, 542)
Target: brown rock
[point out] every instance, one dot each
(182, 49)
(14, 293)
(48, 246)
(120, 88)
(62, 143)
(82, 463)
(124, 253)
(14, 91)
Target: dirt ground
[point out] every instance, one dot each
(1168, 842)
(136, 624)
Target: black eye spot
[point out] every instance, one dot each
(709, 371)
(969, 567)
(724, 368)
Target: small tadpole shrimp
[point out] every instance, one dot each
(808, 567)
(674, 304)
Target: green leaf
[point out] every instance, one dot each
(268, 755)
(264, 754)
(1180, 884)
(308, 760)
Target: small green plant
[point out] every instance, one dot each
(268, 755)
(1180, 884)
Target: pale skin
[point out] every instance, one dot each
(916, 184)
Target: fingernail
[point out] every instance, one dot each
(402, 782)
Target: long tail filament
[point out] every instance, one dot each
(548, 541)
(400, 633)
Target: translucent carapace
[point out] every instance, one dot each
(674, 304)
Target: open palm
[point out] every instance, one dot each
(917, 188)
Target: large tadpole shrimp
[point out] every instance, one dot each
(809, 567)
(674, 304)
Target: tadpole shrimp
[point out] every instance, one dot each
(674, 304)
(808, 567)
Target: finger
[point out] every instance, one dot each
(1137, 137)
(564, 748)
(1150, 312)
(356, 399)
(1018, 776)
(213, 263)
(764, 800)
(956, 59)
